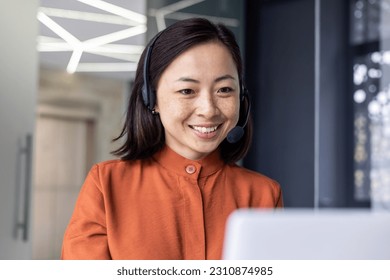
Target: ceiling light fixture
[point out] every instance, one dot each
(58, 29)
(74, 60)
(101, 45)
(116, 10)
(88, 16)
(115, 36)
(49, 44)
(106, 67)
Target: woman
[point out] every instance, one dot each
(169, 195)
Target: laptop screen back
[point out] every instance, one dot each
(307, 234)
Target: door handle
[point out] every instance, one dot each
(24, 152)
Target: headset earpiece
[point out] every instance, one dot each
(146, 87)
(148, 94)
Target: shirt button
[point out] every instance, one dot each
(190, 169)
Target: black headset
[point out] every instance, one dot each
(149, 95)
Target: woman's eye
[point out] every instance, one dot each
(225, 90)
(186, 91)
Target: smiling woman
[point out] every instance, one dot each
(169, 195)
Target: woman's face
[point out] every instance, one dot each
(198, 99)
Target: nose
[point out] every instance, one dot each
(206, 105)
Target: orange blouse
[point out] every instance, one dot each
(165, 207)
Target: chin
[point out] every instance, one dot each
(207, 151)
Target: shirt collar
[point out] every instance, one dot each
(174, 162)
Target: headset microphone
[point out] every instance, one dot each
(237, 132)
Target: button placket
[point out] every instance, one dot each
(194, 212)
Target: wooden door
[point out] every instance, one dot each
(63, 157)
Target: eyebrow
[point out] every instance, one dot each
(222, 78)
(225, 77)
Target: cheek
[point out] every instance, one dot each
(162, 104)
(171, 110)
(232, 111)
(237, 111)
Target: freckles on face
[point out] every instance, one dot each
(198, 99)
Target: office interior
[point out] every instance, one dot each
(317, 71)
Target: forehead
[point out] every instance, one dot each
(210, 58)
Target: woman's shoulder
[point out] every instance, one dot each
(248, 175)
(109, 164)
(257, 184)
(106, 174)
(117, 166)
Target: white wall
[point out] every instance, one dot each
(18, 87)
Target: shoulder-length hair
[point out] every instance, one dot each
(143, 131)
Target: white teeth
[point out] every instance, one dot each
(205, 129)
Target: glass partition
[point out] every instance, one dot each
(370, 33)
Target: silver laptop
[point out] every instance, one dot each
(253, 234)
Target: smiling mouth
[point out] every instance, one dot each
(205, 130)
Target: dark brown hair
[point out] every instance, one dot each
(142, 130)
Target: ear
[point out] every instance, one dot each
(155, 108)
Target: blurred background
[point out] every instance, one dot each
(317, 70)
